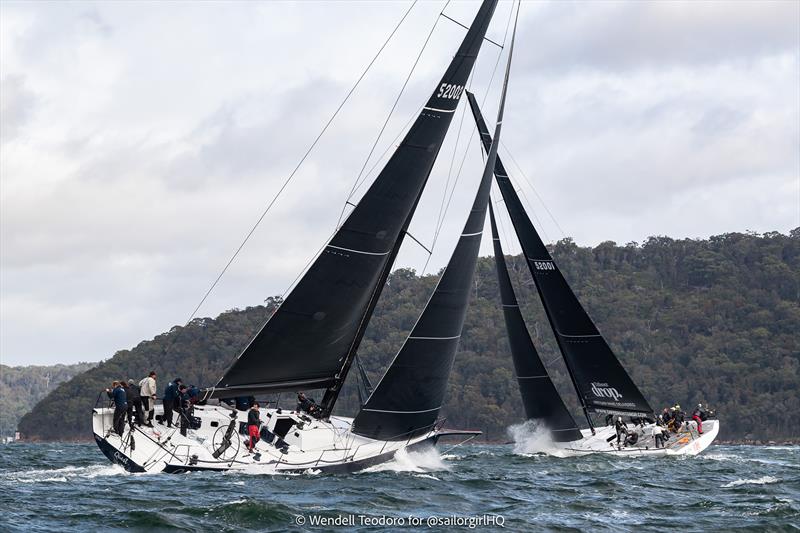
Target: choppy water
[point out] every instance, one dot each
(71, 487)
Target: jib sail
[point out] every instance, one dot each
(602, 383)
(539, 395)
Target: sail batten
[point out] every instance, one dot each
(314, 334)
(602, 384)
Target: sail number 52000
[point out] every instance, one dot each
(447, 90)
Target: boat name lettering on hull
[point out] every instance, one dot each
(121, 458)
(602, 390)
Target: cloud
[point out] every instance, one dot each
(617, 36)
(17, 104)
(141, 142)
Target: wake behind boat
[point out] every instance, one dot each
(603, 386)
(311, 340)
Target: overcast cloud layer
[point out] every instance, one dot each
(140, 141)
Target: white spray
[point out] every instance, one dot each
(532, 437)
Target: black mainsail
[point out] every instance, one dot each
(540, 397)
(602, 383)
(310, 341)
(407, 400)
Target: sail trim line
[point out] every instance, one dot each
(439, 110)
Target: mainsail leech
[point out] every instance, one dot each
(407, 400)
(539, 395)
(602, 383)
(311, 339)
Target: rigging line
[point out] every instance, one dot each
(467, 28)
(533, 212)
(391, 111)
(450, 169)
(440, 223)
(530, 184)
(389, 147)
(296, 168)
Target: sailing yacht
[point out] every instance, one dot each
(311, 341)
(603, 386)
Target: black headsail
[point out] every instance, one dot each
(312, 338)
(539, 395)
(602, 383)
(407, 400)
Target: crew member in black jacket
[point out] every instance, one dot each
(134, 403)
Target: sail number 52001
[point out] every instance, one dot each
(544, 265)
(447, 90)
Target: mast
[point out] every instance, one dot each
(407, 400)
(442, 104)
(310, 341)
(540, 397)
(602, 384)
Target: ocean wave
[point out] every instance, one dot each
(763, 480)
(532, 438)
(427, 460)
(718, 457)
(62, 475)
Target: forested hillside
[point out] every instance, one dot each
(713, 321)
(21, 387)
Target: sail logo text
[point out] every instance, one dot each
(447, 90)
(544, 265)
(602, 390)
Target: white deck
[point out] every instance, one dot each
(686, 442)
(312, 444)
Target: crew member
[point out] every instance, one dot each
(169, 399)
(134, 403)
(658, 435)
(147, 391)
(308, 405)
(194, 394)
(253, 424)
(622, 430)
(184, 408)
(117, 393)
(697, 416)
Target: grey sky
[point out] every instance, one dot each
(140, 141)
